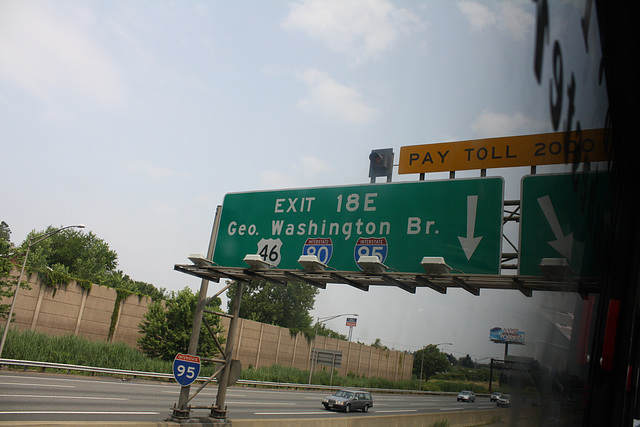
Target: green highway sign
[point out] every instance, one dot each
(460, 220)
(564, 216)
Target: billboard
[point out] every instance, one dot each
(506, 335)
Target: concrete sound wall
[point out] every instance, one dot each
(259, 345)
(73, 310)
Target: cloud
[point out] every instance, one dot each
(490, 124)
(303, 172)
(51, 56)
(309, 167)
(516, 20)
(276, 179)
(508, 17)
(359, 28)
(331, 99)
(153, 171)
(478, 15)
(159, 210)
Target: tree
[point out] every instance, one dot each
(119, 280)
(75, 254)
(81, 255)
(7, 258)
(166, 328)
(287, 305)
(325, 331)
(5, 231)
(453, 361)
(145, 288)
(428, 361)
(466, 362)
(378, 344)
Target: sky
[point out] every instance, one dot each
(135, 118)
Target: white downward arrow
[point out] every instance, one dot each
(563, 244)
(470, 243)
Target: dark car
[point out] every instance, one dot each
(348, 400)
(495, 396)
(504, 401)
(466, 396)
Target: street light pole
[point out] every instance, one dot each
(422, 363)
(24, 263)
(321, 319)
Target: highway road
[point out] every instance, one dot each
(49, 397)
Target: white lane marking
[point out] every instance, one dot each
(43, 378)
(205, 393)
(39, 385)
(262, 403)
(107, 381)
(39, 396)
(294, 413)
(77, 413)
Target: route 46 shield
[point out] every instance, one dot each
(269, 251)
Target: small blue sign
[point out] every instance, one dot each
(186, 368)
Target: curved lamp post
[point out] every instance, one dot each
(320, 320)
(24, 263)
(422, 364)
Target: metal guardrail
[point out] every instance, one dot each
(93, 369)
(122, 372)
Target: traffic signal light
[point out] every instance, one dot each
(381, 163)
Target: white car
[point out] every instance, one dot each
(504, 401)
(495, 396)
(466, 396)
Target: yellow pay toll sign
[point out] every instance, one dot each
(526, 150)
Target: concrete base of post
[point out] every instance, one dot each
(180, 415)
(217, 417)
(202, 421)
(218, 414)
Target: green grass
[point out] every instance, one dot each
(72, 350)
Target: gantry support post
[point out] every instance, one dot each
(219, 411)
(181, 411)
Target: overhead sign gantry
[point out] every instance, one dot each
(435, 234)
